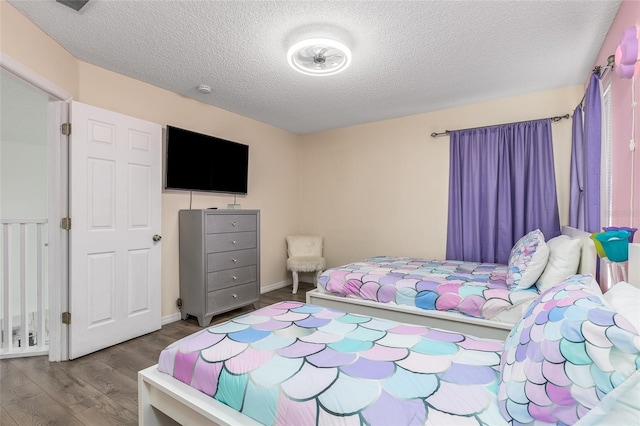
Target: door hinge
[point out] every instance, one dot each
(66, 129)
(66, 317)
(65, 223)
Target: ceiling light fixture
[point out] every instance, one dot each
(319, 56)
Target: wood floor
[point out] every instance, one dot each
(100, 388)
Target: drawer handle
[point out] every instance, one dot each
(234, 223)
(234, 278)
(234, 296)
(234, 242)
(234, 260)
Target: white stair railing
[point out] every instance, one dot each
(24, 305)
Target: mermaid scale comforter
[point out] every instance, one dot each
(567, 352)
(475, 289)
(296, 364)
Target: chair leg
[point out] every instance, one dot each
(295, 281)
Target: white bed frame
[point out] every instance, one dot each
(164, 400)
(446, 320)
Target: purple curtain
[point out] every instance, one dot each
(501, 186)
(584, 195)
(576, 190)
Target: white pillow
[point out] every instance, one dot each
(564, 258)
(527, 260)
(625, 299)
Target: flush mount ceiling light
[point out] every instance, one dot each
(319, 56)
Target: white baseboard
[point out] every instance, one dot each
(170, 318)
(275, 286)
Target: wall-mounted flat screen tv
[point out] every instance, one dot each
(197, 162)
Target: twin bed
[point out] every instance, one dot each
(468, 297)
(569, 357)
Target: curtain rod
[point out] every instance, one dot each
(446, 132)
(601, 70)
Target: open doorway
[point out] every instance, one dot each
(24, 300)
(116, 287)
(33, 197)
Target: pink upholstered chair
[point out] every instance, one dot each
(304, 255)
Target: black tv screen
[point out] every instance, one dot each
(198, 162)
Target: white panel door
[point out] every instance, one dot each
(115, 190)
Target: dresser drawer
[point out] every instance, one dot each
(231, 277)
(238, 295)
(231, 259)
(215, 224)
(231, 241)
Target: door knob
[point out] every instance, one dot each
(156, 238)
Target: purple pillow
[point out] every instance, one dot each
(527, 261)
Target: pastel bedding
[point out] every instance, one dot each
(297, 364)
(475, 289)
(565, 355)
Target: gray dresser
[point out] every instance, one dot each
(219, 261)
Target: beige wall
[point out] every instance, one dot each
(273, 153)
(381, 188)
(26, 43)
(273, 167)
(374, 189)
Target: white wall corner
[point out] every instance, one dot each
(170, 318)
(275, 286)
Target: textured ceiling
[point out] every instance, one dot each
(409, 57)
